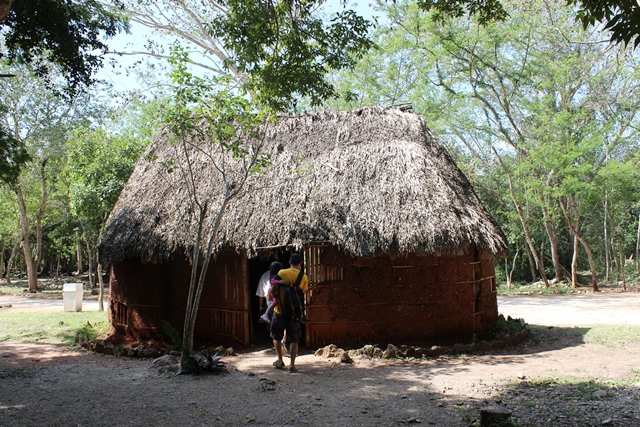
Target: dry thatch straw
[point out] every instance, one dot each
(370, 181)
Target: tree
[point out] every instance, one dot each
(65, 33)
(277, 50)
(208, 121)
(620, 17)
(98, 166)
(39, 121)
(541, 92)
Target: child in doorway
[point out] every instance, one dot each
(274, 290)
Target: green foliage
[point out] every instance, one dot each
(621, 18)
(287, 49)
(559, 114)
(98, 167)
(66, 33)
(485, 10)
(13, 155)
(506, 327)
(614, 335)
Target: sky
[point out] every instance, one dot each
(117, 68)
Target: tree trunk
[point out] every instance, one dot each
(574, 263)
(189, 316)
(592, 264)
(32, 274)
(621, 260)
(5, 7)
(607, 256)
(523, 221)
(194, 297)
(638, 248)
(509, 273)
(101, 295)
(553, 242)
(10, 261)
(79, 253)
(574, 228)
(90, 259)
(40, 215)
(4, 245)
(532, 264)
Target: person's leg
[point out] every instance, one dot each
(278, 345)
(277, 329)
(293, 352)
(294, 333)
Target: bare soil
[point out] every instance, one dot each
(553, 378)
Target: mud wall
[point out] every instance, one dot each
(409, 299)
(144, 296)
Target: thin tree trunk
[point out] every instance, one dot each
(10, 261)
(187, 337)
(574, 231)
(195, 301)
(26, 249)
(541, 255)
(525, 226)
(509, 273)
(553, 242)
(4, 245)
(40, 215)
(90, 259)
(532, 264)
(621, 260)
(78, 253)
(101, 295)
(607, 256)
(638, 248)
(574, 263)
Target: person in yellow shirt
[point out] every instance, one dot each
(284, 322)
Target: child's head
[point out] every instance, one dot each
(274, 268)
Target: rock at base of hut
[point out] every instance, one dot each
(494, 415)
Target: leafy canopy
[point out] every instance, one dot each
(66, 33)
(286, 48)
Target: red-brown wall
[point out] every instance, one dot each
(143, 296)
(408, 299)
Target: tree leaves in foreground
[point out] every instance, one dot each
(66, 33)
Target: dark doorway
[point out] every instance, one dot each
(256, 267)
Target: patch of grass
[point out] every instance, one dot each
(536, 289)
(583, 388)
(614, 335)
(52, 328)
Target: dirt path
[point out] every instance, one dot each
(49, 386)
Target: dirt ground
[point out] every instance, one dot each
(46, 385)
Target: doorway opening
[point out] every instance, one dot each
(256, 268)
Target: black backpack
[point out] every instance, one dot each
(293, 304)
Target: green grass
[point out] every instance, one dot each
(613, 335)
(52, 328)
(583, 387)
(564, 288)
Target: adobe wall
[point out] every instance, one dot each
(412, 299)
(144, 296)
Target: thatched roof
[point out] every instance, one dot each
(371, 181)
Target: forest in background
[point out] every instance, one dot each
(537, 111)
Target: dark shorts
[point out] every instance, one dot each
(278, 326)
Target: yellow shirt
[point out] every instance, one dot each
(289, 276)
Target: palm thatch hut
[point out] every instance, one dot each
(397, 245)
